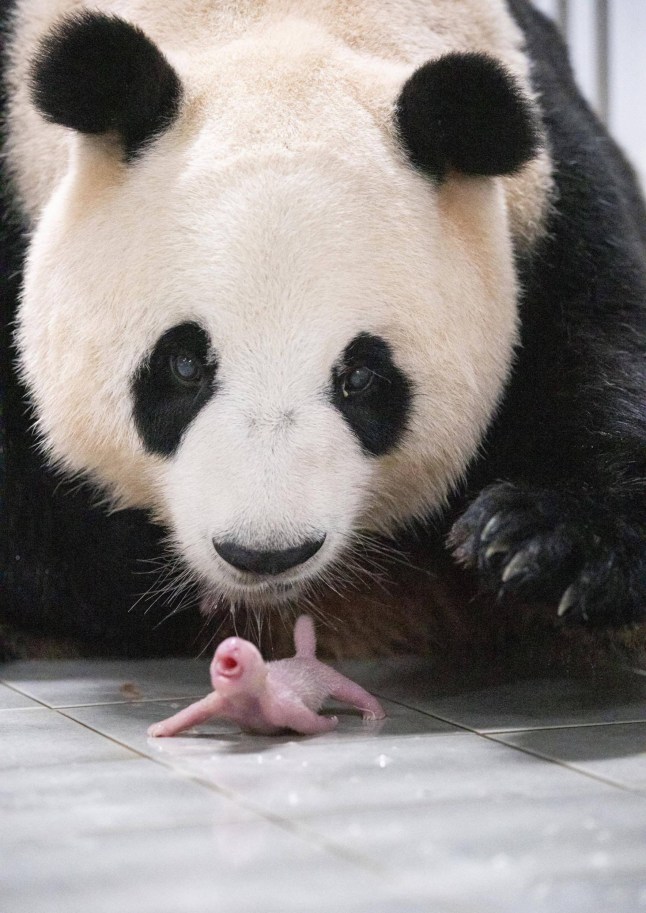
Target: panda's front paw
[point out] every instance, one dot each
(547, 546)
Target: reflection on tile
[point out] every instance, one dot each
(613, 697)
(558, 854)
(599, 891)
(449, 813)
(250, 868)
(14, 700)
(128, 724)
(411, 815)
(36, 738)
(68, 683)
(298, 780)
(39, 805)
(616, 753)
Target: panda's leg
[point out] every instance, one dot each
(567, 527)
(583, 550)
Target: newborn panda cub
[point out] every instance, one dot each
(267, 698)
(301, 277)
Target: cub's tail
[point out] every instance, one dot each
(305, 637)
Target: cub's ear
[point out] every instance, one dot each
(464, 112)
(98, 74)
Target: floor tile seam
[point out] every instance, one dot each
(23, 694)
(144, 700)
(535, 753)
(558, 726)
(486, 731)
(40, 708)
(462, 727)
(304, 833)
(295, 828)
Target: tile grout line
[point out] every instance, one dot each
(22, 694)
(511, 730)
(433, 716)
(558, 726)
(143, 700)
(535, 753)
(298, 830)
(491, 737)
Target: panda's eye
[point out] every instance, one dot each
(372, 393)
(172, 383)
(357, 380)
(187, 369)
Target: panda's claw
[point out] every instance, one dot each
(569, 599)
(463, 552)
(496, 548)
(491, 528)
(557, 547)
(461, 535)
(517, 567)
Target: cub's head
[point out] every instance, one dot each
(273, 298)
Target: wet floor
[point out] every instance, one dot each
(526, 797)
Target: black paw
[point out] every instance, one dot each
(546, 546)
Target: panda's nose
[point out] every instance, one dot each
(267, 562)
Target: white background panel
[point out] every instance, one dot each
(607, 41)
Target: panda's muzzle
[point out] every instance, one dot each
(266, 563)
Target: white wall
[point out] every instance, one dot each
(627, 78)
(607, 41)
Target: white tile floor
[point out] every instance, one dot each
(528, 798)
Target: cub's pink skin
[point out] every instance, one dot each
(267, 698)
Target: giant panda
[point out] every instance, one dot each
(336, 306)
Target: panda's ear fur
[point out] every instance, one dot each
(99, 74)
(465, 113)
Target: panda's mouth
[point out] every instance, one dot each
(260, 595)
(281, 589)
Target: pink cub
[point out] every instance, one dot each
(268, 698)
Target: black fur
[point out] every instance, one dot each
(569, 525)
(98, 74)
(378, 415)
(464, 112)
(163, 408)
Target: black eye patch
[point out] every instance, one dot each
(372, 394)
(171, 386)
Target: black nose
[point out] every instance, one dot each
(266, 562)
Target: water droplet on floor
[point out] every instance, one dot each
(383, 760)
(600, 860)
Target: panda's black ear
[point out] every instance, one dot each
(465, 113)
(98, 74)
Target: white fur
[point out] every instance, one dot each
(280, 213)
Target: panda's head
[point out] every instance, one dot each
(273, 298)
